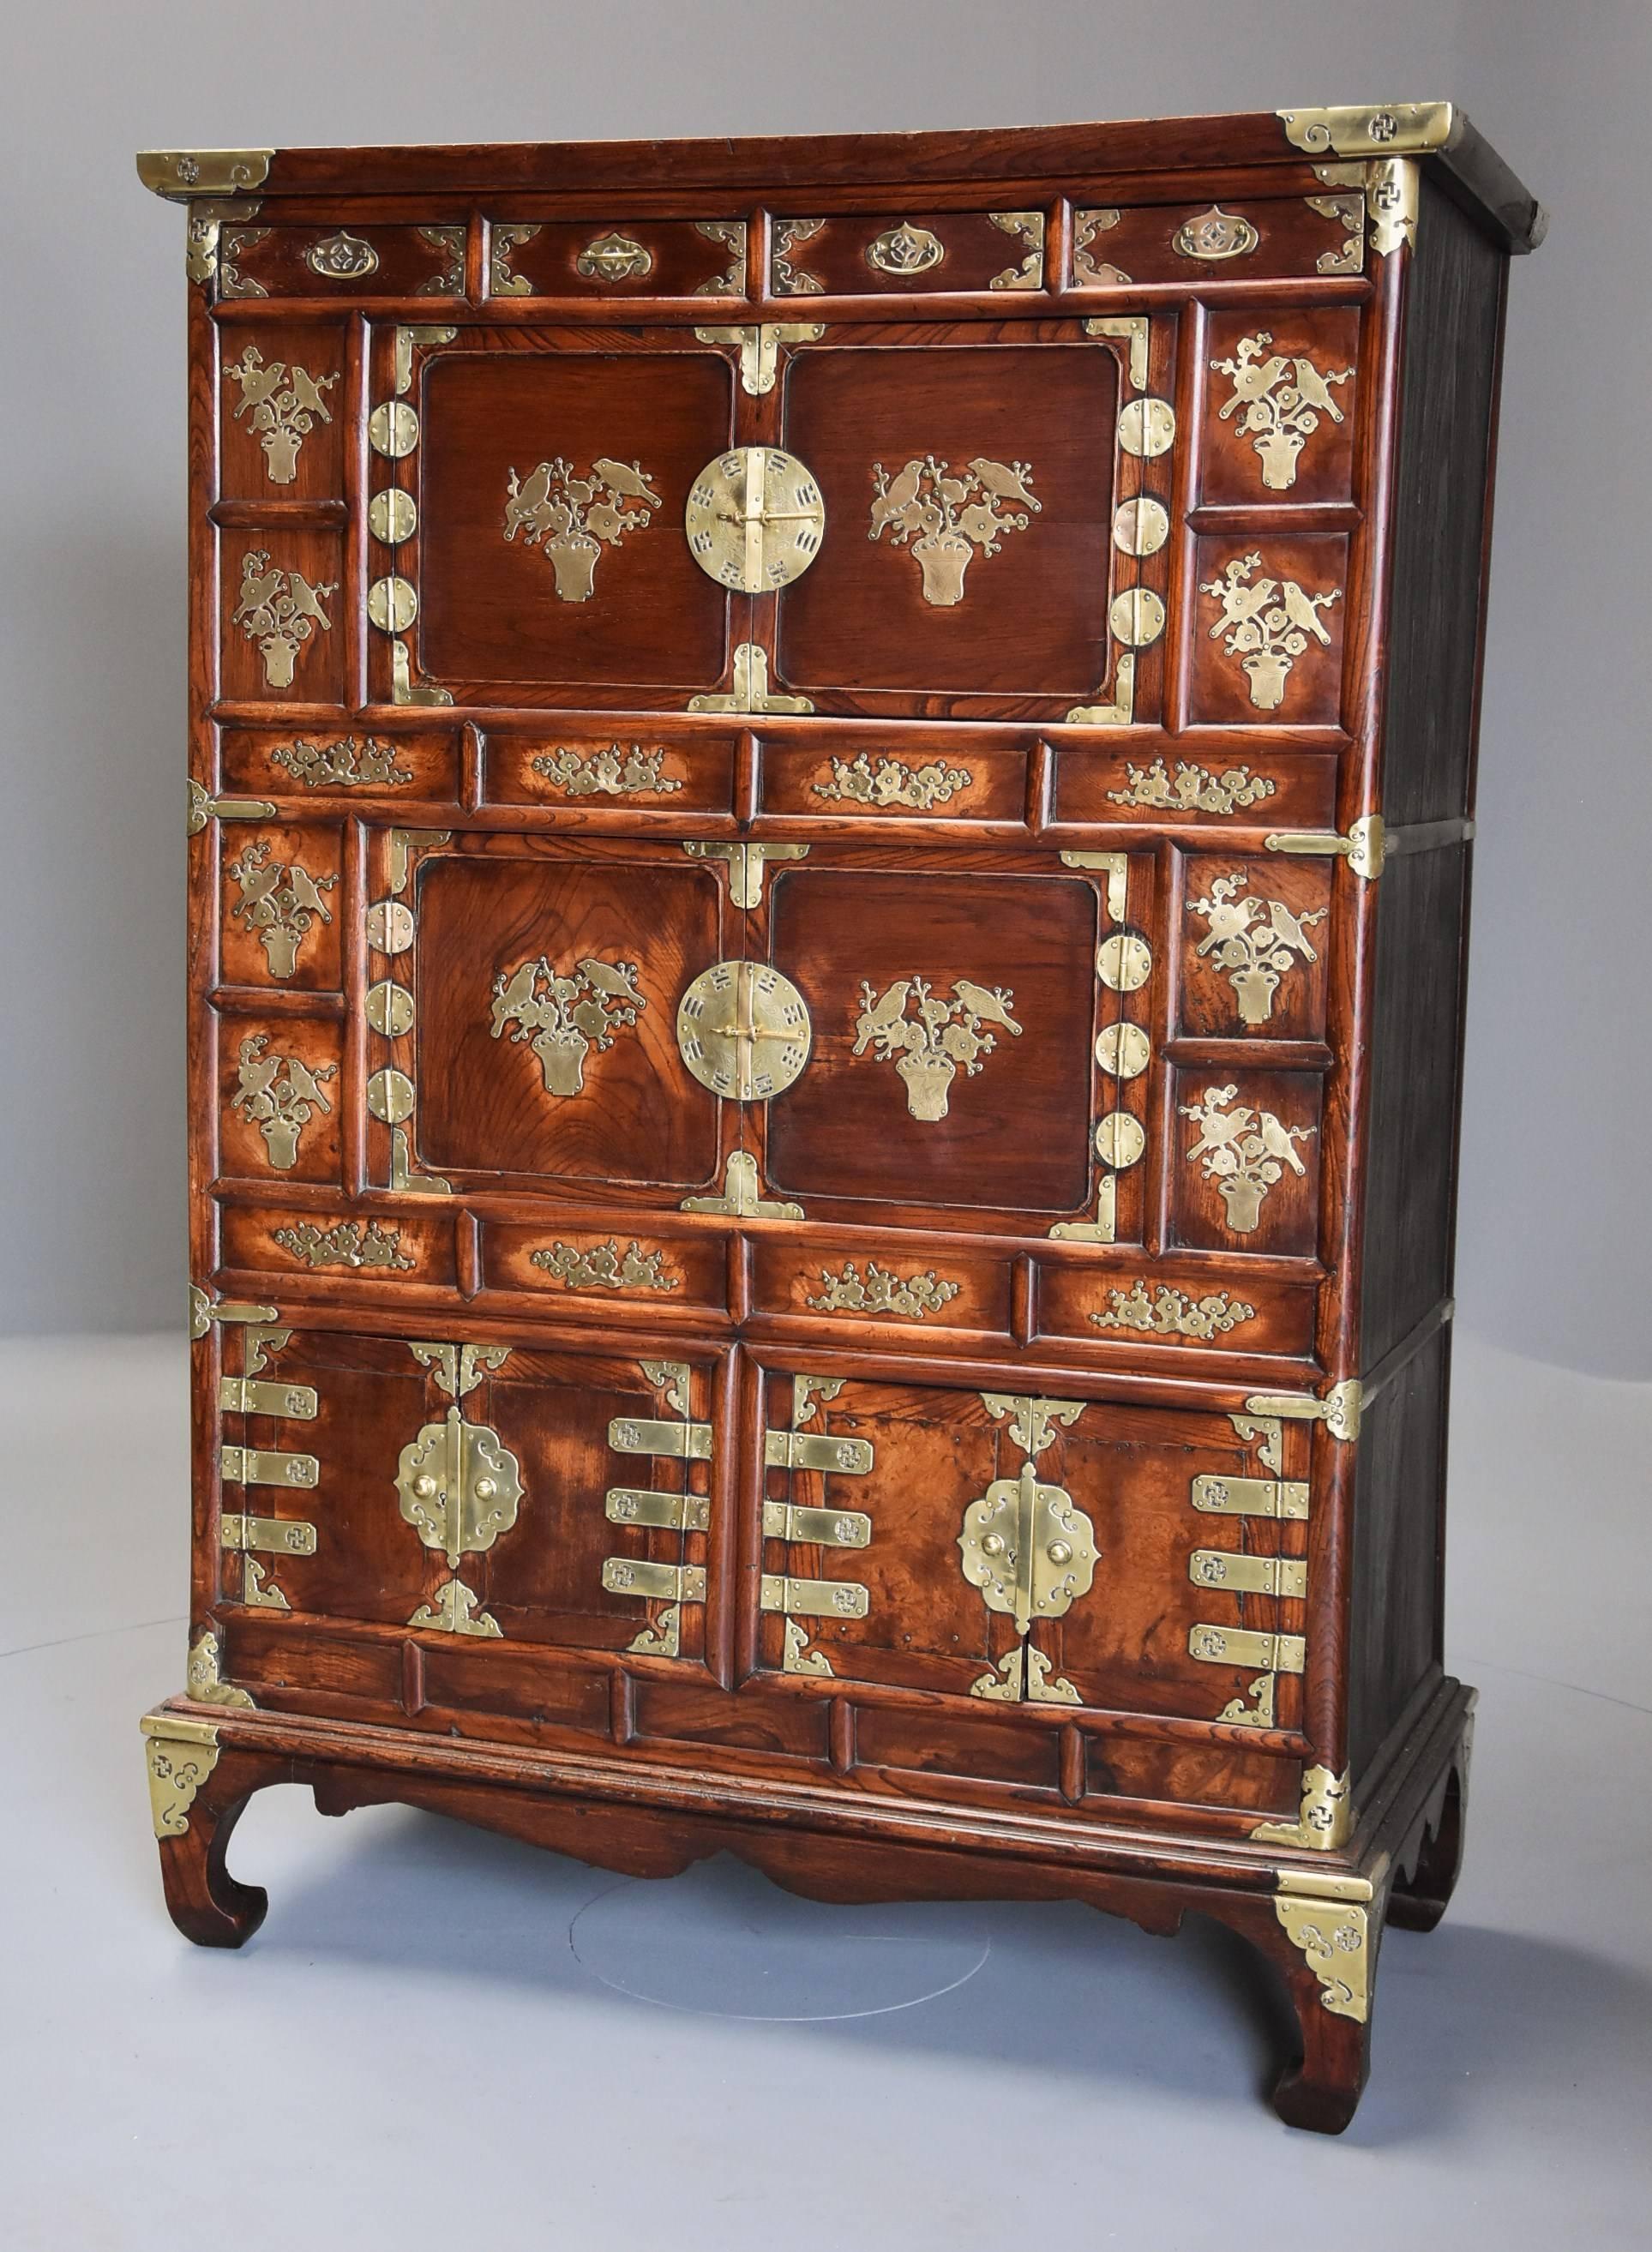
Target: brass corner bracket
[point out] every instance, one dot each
(1339, 1411)
(203, 1684)
(177, 174)
(204, 1310)
(1326, 1819)
(1394, 128)
(180, 1755)
(1364, 848)
(1335, 1922)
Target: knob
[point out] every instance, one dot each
(484, 1488)
(993, 1545)
(1060, 1552)
(423, 1485)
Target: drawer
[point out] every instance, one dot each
(371, 1252)
(1249, 238)
(339, 764)
(882, 1287)
(857, 778)
(583, 777)
(637, 1271)
(1104, 1554)
(358, 259)
(494, 1493)
(608, 257)
(1163, 1307)
(861, 253)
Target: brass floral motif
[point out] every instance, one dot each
(1028, 225)
(574, 517)
(1255, 941)
(450, 241)
(730, 233)
(279, 901)
(1170, 1312)
(1283, 398)
(279, 1095)
(505, 239)
(345, 1244)
(892, 783)
(562, 1016)
(605, 1266)
(343, 765)
(905, 249)
(1266, 626)
(788, 279)
(1194, 789)
(928, 1037)
(618, 771)
(878, 1291)
(614, 257)
(944, 519)
(342, 257)
(284, 401)
(1243, 1152)
(1215, 234)
(280, 611)
(1086, 270)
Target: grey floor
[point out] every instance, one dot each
(439, 2036)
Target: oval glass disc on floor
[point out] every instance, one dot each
(722, 1942)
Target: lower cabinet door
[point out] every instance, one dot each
(1017, 1549)
(496, 1492)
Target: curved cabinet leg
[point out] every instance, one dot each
(1321, 1934)
(1428, 1876)
(195, 1795)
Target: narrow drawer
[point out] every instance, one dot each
(1256, 239)
(350, 262)
(905, 1286)
(577, 776)
(851, 779)
(617, 258)
(862, 253)
(1173, 1308)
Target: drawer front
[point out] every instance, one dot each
(350, 262)
(616, 257)
(1246, 238)
(859, 253)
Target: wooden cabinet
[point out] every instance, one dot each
(829, 822)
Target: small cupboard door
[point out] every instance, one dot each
(500, 1493)
(1019, 1549)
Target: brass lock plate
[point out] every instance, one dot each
(754, 519)
(1028, 1547)
(460, 1486)
(743, 1030)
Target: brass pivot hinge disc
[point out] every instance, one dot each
(754, 519)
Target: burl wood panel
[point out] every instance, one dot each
(370, 261)
(858, 618)
(281, 1096)
(589, 1273)
(284, 411)
(1240, 785)
(283, 599)
(411, 1245)
(489, 1100)
(1280, 671)
(1278, 1103)
(1151, 1304)
(577, 774)
(1015, 1132)
(339, 762)
(491, 610)
(889, 778)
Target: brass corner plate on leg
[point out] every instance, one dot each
(1335, 1922)
(180, 1754)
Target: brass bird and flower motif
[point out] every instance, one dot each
(928, 1036)
(1256, 941)
(1266, 623)
(573, 517)
(562, 1015)
(944, 516)
(1283, 398)
(282, 403)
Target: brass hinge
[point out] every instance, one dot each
(671, 1513)
(1240, 1575)
(1363, 848)
(204, 1310)
(751, 691)
(740, 1199)
(244, 1395)
(274, 1536)
(267, 1466)
(204, 808)
(809, 1450)
(669, 1584)
(823, 1528)
(1220, 1496)
(746, 865)
(1238, 1645)
(1339, 1411)
(814, 1598)
(680, 1441)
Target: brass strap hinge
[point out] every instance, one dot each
(204, 1310)
(759, 348)
(680, 1441)
(276, 1536)
(1239, 1574)
(1247, 1496)
(667, 1584)
(246, 1395)
(671, 1513)
(1339, 1411)
(808, 1450)
(264, 1466)
(204, 808)
(750, 690)
(814, 1598)
(823, 1528)
(1236, 1645)
(1363, 848)
(746, 865)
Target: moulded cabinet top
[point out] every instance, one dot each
(1436, 132)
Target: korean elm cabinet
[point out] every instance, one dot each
(829, 808)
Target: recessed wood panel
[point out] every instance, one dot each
(850, 778)
(382, 1249)
(1279, 385)
(1269, 614)
(577, 776)
(610, 255)
(1243, 239)
(339, 762)
(601, 588)
(283, 599)
(918, 972)
(859, 618)
(284, 409)
(345, 261)
(1256, 945)
(591, 1272)
(1245, 1171)
(863, 253)
(280, 1095)
(280, 906)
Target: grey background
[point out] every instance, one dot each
(1554, 1216)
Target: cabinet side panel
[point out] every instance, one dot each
(1399, 1526)
(1448, 423)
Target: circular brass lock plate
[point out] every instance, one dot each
(754, 519)
(744, 1031)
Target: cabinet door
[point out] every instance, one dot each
(1099, 1553)
(501, 1493)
